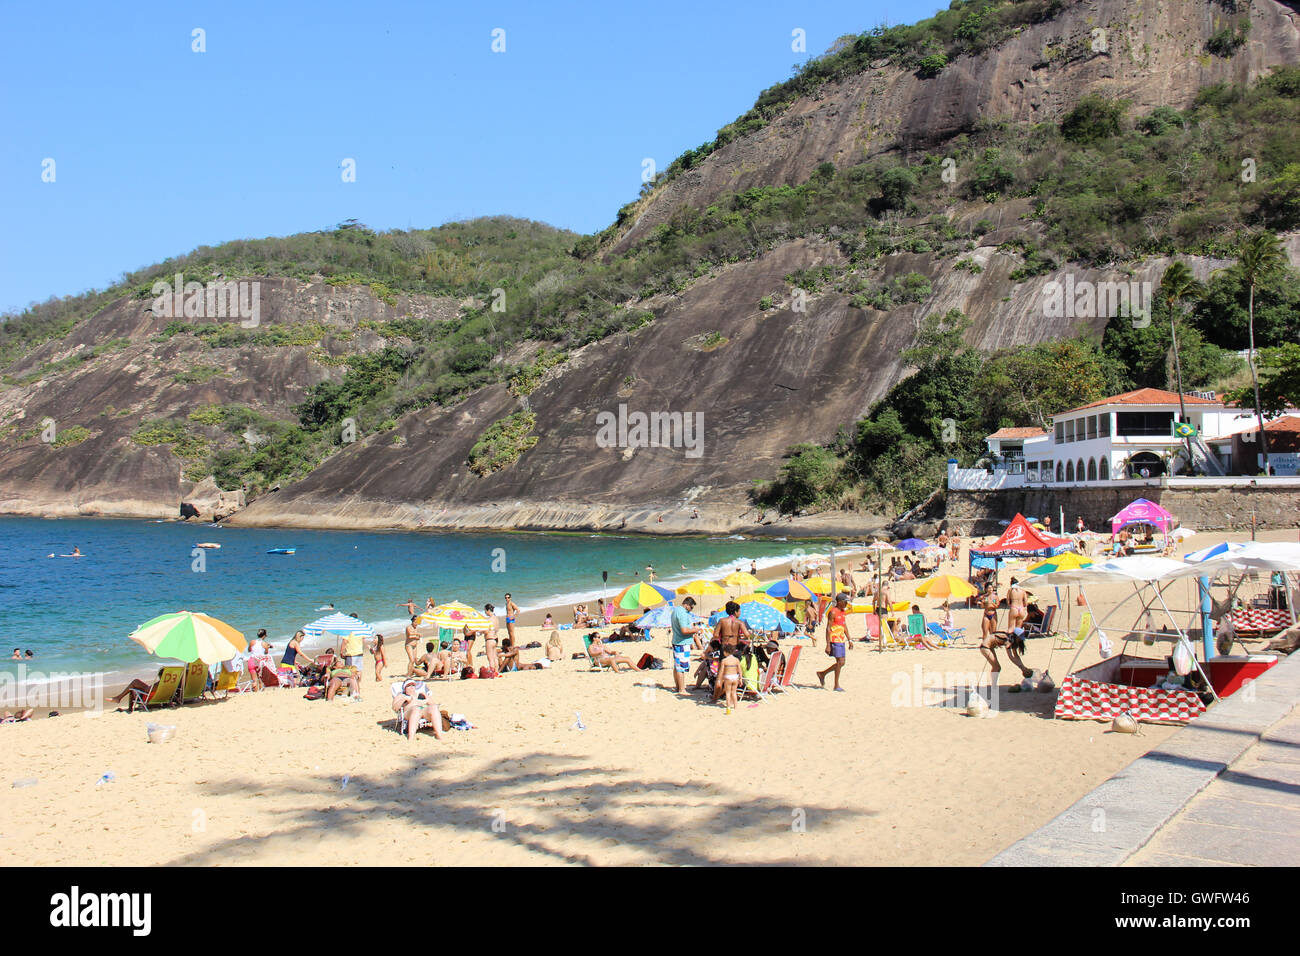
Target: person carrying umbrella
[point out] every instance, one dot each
(837, 638)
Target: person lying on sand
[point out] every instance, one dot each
(18, 718)
(341, 677)
(414, 704)
(603, 656)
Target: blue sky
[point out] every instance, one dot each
(158, 149)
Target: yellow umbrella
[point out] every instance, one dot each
(700, 588)
(819, 585)
(455, 614)
(741, 579)
(763, 599)
(946, 586)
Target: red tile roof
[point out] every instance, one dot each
(1289, 424)
(1009, 433)
(1146, 396)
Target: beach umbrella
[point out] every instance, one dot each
(189, 636)
(771, 602)
(1065, 561)
(760, 617)
(913, 544)
(789, 588)
(700, 588)
(661, 616)
(1181, 534)
(642, 594)
(946, 586)
(338, 624)
(455, 614)
(741, 579)
(1213, 551)
(819, 585)
(716, 616)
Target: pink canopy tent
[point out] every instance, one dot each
(1143, 512)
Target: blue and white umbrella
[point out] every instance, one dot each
(761, 617)
(338, 624)
(717, 616)
(1213, 551)
(661, 616)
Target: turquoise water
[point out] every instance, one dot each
(76, 613)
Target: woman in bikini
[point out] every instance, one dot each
(381, 659)
(1017, 605)
(414, 703)
(490, 637)
(412, 640)
(989, 623)
(606, 658)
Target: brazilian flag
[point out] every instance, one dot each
(1184, 430)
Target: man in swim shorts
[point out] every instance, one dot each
(837, 638)
(684, 636)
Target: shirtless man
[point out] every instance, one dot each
(512, 615)
(731, 628)
(434, 661)
(412, 640)
(1017, 605)
(410, 607)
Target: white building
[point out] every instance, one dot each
(1128, 437)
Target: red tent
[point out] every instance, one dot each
(1020, 540)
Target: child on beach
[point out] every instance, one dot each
(381, 659)
(547, 622)
(729, 676)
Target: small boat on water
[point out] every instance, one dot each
(282, 551)
(207, 544)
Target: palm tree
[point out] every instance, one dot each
(1259, 258)
(1176, 285)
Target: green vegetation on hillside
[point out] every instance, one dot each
(503, 442)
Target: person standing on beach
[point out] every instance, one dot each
(837, 638)
(381, 659)
(409, 605)
(684, 637)
(731, 628)
(753, 567)
(512, 615)
(412, 641)
(490, 636)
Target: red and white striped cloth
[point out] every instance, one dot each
(1260, 619)
(1083, 699)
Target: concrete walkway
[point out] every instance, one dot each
(1225, 790)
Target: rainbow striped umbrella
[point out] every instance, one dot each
(791, 589)
(189, 636)
(642, 594)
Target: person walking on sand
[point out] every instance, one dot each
(685, 635)
(412, 642)
(837, 638)
(512, 615)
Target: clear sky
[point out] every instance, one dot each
(158, 149)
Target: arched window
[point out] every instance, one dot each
(1069, 471)
(1079, 470)
(1092, 469)
(1103, 469)
(1059, 472)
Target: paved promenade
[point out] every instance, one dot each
(1223, 791)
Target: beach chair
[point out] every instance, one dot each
(1069, 642)
(873, 626)
(915, 630)
(230, 682)
(195, 681)
(943, 636)
(1044, 627)
(787, 672)
(271, 677)
(889, 641)
(595, 664)
(399, 718)
(163, 690)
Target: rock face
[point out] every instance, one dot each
(207, 502)
(1154, 56)
(755, 380)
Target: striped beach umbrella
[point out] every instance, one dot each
(338, 624)
(791, 589)
(642, 594)
(189, 636)
(1065, 561)
(454, 614)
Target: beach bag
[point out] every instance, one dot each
(315, 692)
(646, 661)
(1124, 723)
(1183, 660)
(485, 673)
(467, 673)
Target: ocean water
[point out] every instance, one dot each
(75, 613)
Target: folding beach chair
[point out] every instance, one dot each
(943, 636)
(274, 678)
(915, 630)
(759, 685)
(1044, 627)
(163, 690)
(888, 638)
(873, 627)
(195, 681)
(399, 718)
(787, 672)
(230, 682)
(1067, 642)
(595, 664)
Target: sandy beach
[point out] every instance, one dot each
(872, 776)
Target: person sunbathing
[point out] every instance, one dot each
(341, 677)
(136, 685)
(508, 657)
(554, 647)
(433, 662)
(415, 705)
(580, 617)
(18, 718)
(603, 656)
